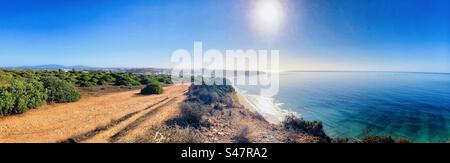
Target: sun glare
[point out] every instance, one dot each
(268, 16)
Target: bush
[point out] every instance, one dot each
(203, 100)
(93, 78)
(174, 134)
(126, 80)
(147, 80)
(60, 91)
(342, 140)
(166, 79)
(18, 96)
(212, 94)
(105, 79)
(36, 93)
(5, 77)
(383, 139)
(300, 126)
(402, 140)
(152, 88)
(182, 135)
(292, 122)
(192, 114)
(7, 101)
(186, 135)
(86, 80)
(378, 139)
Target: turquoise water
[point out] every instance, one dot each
(354, 104)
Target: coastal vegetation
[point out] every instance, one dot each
(204, 100)
(60, 91)
(196, 113)
(294, 124)
(373, 139)
(21, 90)
(19, 95)
(87, 78)
(152, 88)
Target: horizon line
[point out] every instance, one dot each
(124, 67)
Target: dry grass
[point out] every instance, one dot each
(243, 136)
(171, 135)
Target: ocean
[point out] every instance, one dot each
(354, 104)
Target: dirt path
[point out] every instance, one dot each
(105, 118)
(152, 119)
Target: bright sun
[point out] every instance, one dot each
(268, 16)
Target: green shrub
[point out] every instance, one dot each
(36, 93)
(378, 139)
(7, 101)
(166, 79)
(86, 84)
(147, 80)
(5, 77)
(86, 80)
(152, 88)
(371, 139)
(18, 91)
(18, 96)
(105, 79)
(126, 80)
(60, 91)
(93, 78)
(296, 124)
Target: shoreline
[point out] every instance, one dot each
(272, 115)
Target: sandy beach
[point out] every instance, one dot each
(269, 111)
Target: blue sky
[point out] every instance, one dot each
(385, 35)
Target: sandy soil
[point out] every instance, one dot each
(153, 119)
(243, 120)
(106, 118)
